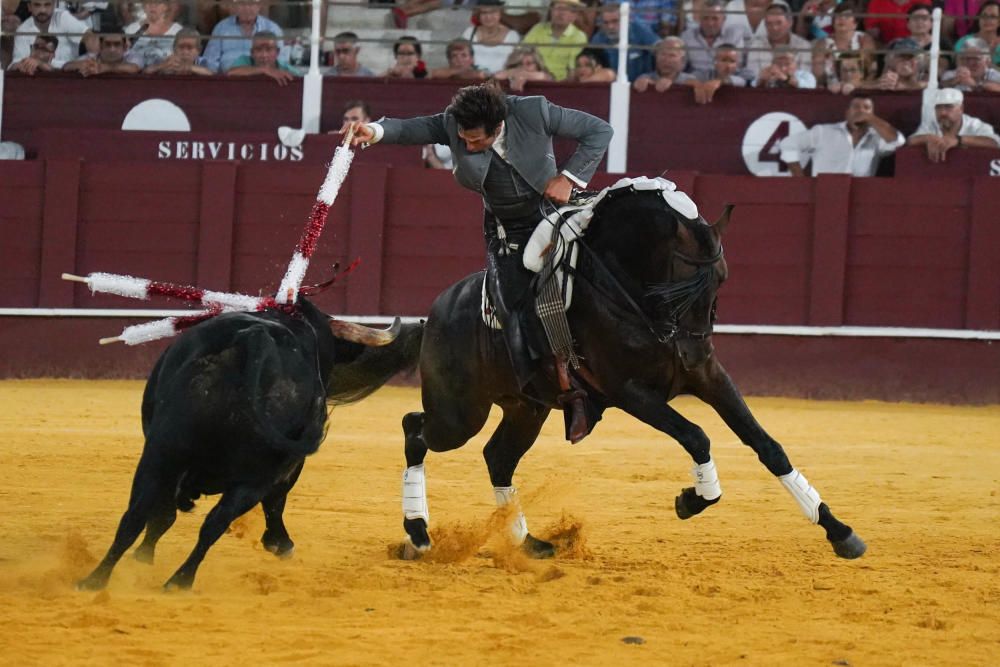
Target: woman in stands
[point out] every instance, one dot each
(492, 41)
(153, 36)
(524, 64)
(987, 28)
(590, 68)
(846, 37)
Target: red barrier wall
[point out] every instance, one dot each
(667, 130)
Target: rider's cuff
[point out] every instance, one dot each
(377, 130)
(573, 178)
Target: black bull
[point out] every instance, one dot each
(233, 407)
(642, 317)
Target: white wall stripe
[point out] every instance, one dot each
(741, 329)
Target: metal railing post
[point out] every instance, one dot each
(621, 90)
(312, 84)
(930, 92)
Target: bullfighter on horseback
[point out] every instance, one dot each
(502, 147)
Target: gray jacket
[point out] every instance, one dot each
(530, 125)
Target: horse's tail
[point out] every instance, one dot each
(369, 368)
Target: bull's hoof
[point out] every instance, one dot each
(416, 529)
(536, 548)
(850, 547)
(94, 582)
(143, 555)
(689, 503)
(282, 547)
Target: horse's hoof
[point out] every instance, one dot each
(850, 547)
(178, 582)
(409, 552)
(416, 529)
(91, 583)
(143, 555)
(282, 547)
(536, 548)
(689, 503)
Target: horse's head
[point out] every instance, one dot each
(683, 301)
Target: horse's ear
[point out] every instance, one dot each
(720, 225)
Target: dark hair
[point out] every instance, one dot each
(456, 44)
(597, 56)
(113, 32)
(264, 35)
(407, 39)
(49, 39)
(346, 36)
(851, 55)
(975, 24)
(917, 8)
(350, 104)
(483, 105)
(778, 7)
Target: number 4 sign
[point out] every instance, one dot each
(762, 143)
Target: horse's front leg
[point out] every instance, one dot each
(715, 387)
(650, 407)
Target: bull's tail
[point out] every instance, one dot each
(358, 371)
(304, 431)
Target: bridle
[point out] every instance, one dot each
(680, 296)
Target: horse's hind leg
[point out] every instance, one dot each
(148, 486)
(718, 390)
(275, 538)
(651, 408)
(161, 519)
(235, 502)
(514, 436)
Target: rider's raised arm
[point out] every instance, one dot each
(592, 136)
(419, 130)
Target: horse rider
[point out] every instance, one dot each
(502, 148)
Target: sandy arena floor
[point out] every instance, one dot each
(749, 582)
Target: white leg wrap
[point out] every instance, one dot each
(706, 480)
(507, 495)
(805, 495)
(415, 493)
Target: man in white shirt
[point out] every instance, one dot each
(778, 24)
(703, 38)
(59, 22)
(951, 128)
(853, 147)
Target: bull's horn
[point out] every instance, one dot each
(723, 221)
(357, 333)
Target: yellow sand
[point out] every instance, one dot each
(749, 582)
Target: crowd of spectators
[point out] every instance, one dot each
(703, 45)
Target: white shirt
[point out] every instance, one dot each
(833, 152)
(736, 15)
(492, 58)
(151, 49)
(971, 127)
(61, 22)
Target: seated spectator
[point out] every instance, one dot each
(951, 128)
(408, 65)
(524, 64)
(846, 38)
(848, 74)
(660, 16)
(356, 111)
(778, 26)
(701, 38)
(46, 19)
(155, 34)
(345, 57)
(590, 69)
(552, 38)
(10, 150)
(749, 15)
(816, 19)
(853, 146)
(492, 41)
(724, 73)
(987, 28)
(43, 51)
(919, 25)
(639, 34)
(973, 71)
(184, 59)
(232, 36)
(109, 60)
(784, 72)
(668, 68)
(461, 63)
(892, 24)
(524, 15)
(264, 59)
(955, 21)
(904, 67)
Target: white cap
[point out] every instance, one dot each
(948, 96)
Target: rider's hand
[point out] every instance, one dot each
(362, 133)
(558, 189)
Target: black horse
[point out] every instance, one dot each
(642, 317)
